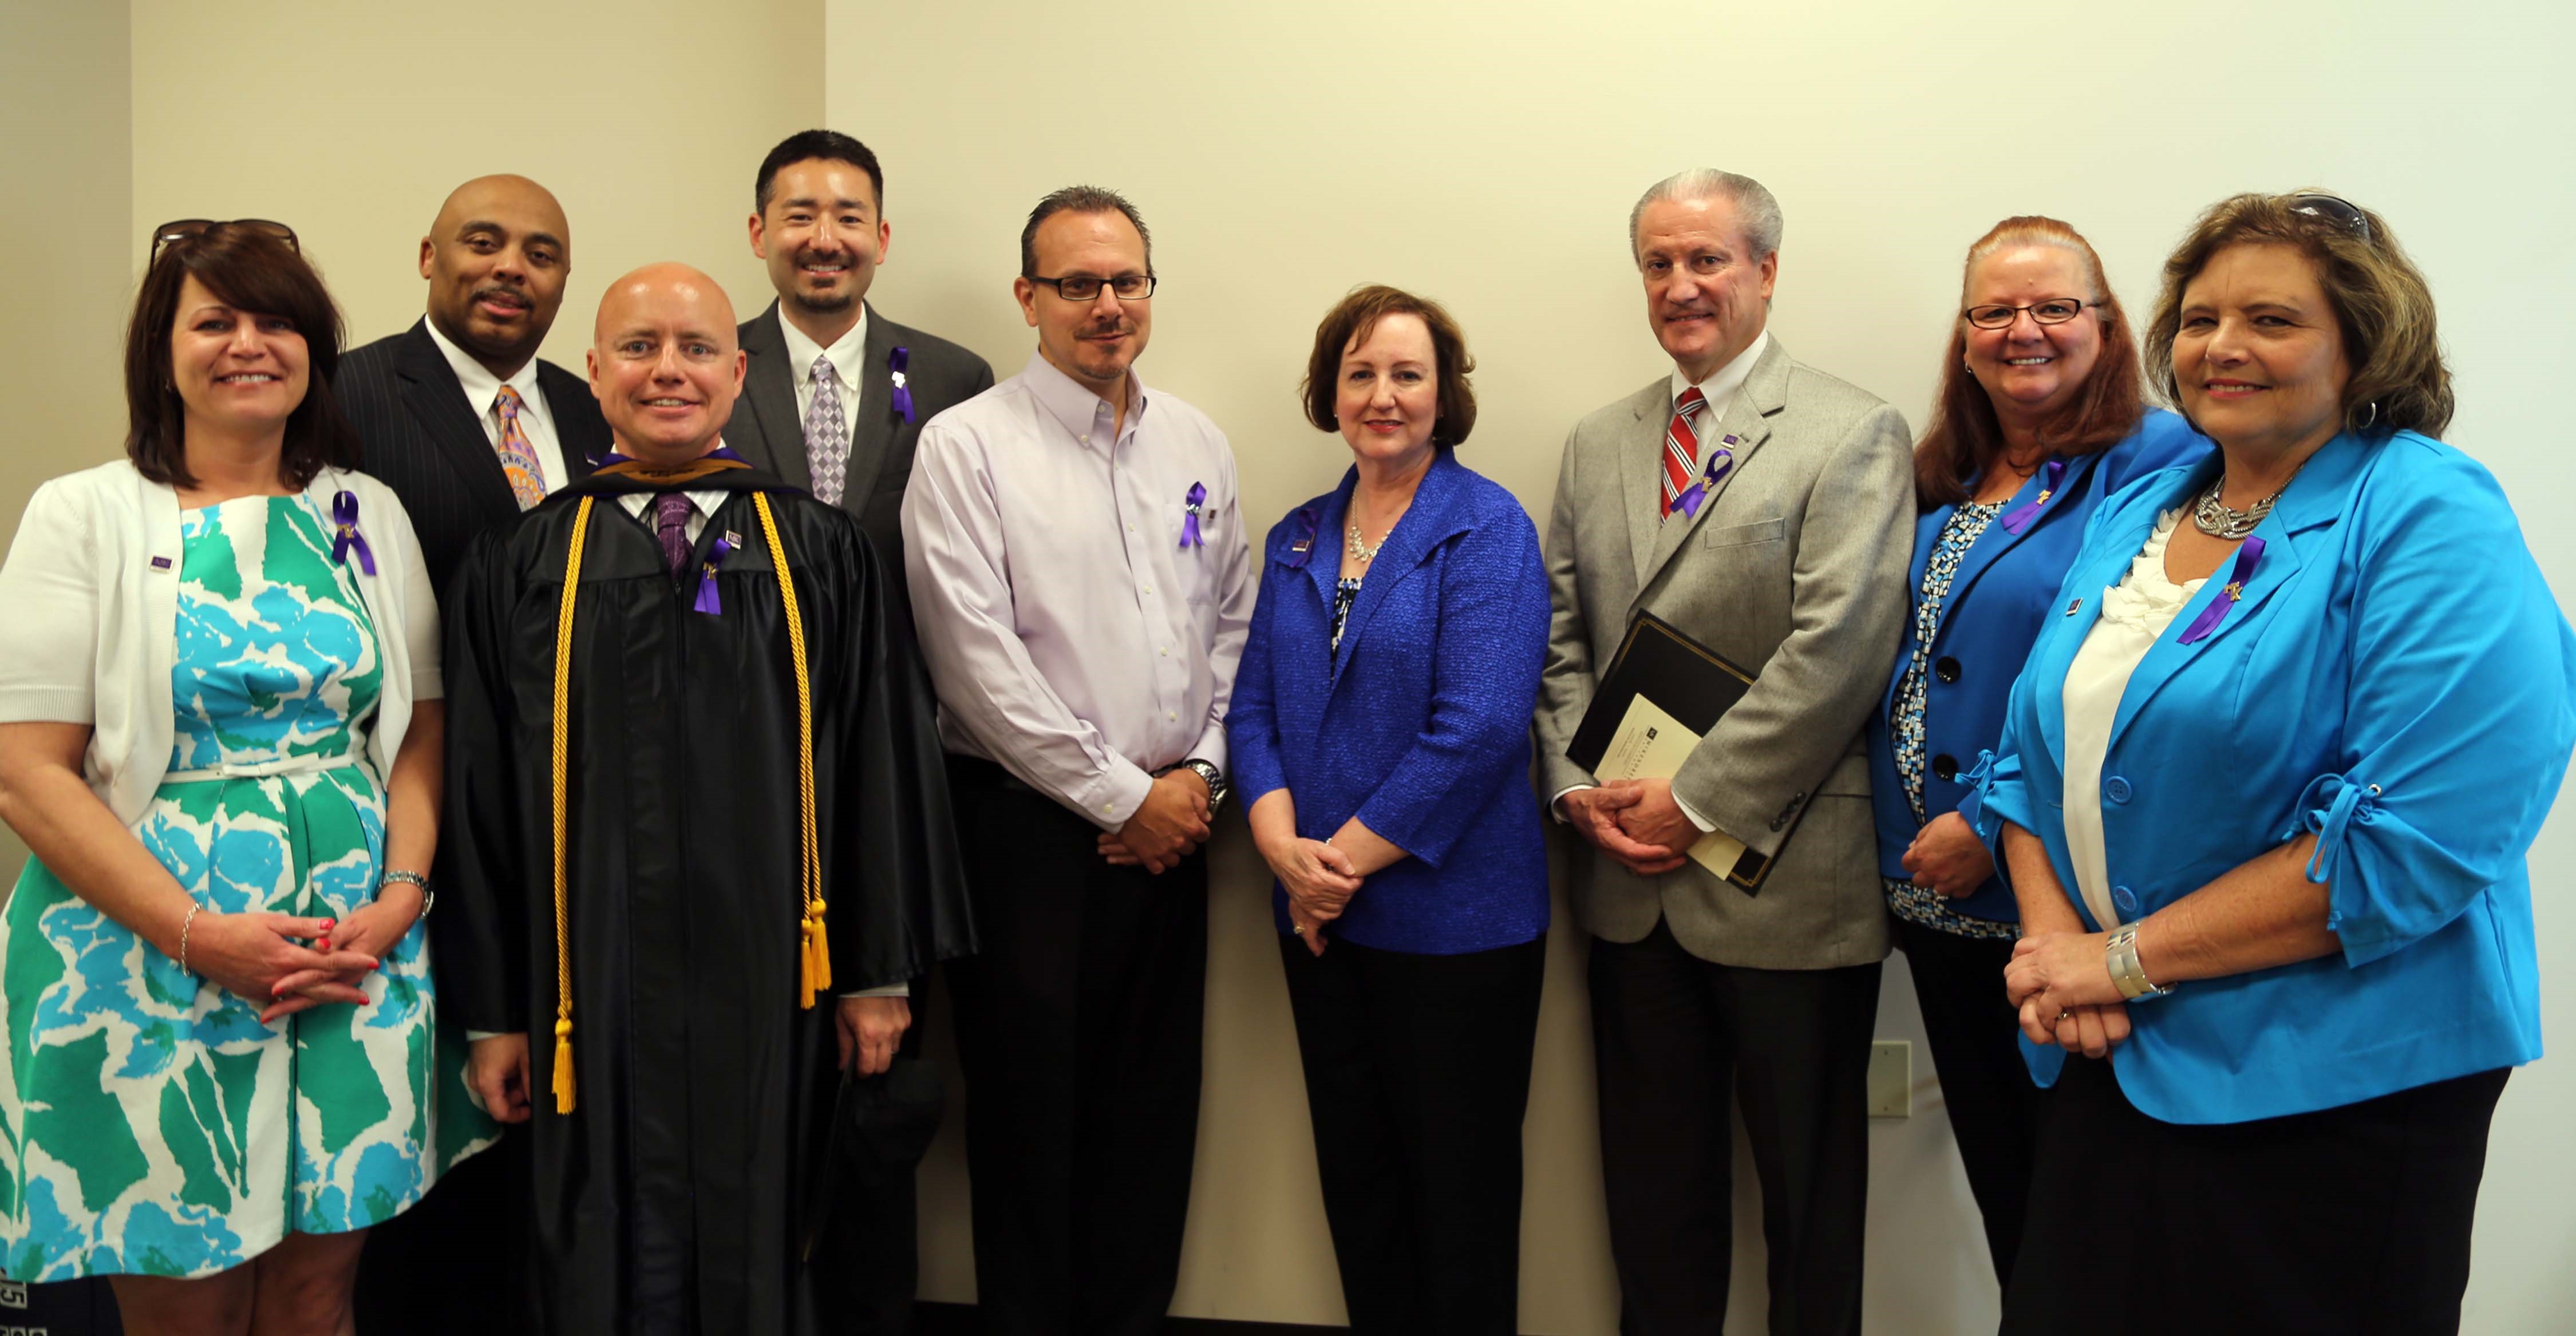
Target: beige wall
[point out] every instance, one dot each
(645, 117)
(1486, 153)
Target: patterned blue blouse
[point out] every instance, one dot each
(1922, 904)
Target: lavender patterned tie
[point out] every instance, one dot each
(827, 434)
(671, 511)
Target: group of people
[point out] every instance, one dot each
(520, 852)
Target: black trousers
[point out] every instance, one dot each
(1417, 1075)
(1673, 1036)
(458, 1260)
(1993, 1105)
(2351, 1220)
(1079, 1029)
(868, 1252)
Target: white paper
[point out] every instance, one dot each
(1651, 744)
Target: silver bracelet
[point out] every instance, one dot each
(428, 897)
(2120, 954)
(185, 925)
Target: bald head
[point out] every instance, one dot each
(664, 364)
(496, 258)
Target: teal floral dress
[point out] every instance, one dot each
(154, 1125)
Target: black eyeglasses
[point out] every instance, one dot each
(2054, 311)
(1086, 287)
(2342, 213)
(186, 228)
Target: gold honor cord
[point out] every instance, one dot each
(814, 964)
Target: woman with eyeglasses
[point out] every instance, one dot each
(2041, 415)
(2264, 795)
(219, 734)
(1380, 734)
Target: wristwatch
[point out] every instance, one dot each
(1215, 781)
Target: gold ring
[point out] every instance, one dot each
(1299, 929)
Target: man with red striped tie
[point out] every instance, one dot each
(1766, 510)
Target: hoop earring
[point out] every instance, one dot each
(2369, 416)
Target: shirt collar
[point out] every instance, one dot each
(480, 385)
(1720, 387)
(1072, 403)
(846, 352)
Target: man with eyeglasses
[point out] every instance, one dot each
(1082, 586)
(466, 424)
(1765, 509)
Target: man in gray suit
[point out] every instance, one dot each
(833, 400)
(1765, 509)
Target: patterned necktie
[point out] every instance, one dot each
(1681, 447)
(518, 457)
(671, 512)
(827, 436)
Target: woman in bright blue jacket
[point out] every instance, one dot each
(2041, 415)
(1380, 733)
(2280, 753)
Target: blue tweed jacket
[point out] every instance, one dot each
(1421, 728)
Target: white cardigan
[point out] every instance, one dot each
(89, 610)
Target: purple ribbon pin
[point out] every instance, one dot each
(708, 601)
(1190, 516)
(2027, 513)
(344, 520)
(1720, 460)
(1302, 548)
(899, 361)
(2247, 558)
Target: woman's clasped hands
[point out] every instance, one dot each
(288, 964)
(2061, 981)
(1320, 881)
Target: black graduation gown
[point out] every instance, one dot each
(682, 1192)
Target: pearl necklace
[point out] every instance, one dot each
(1365, 553)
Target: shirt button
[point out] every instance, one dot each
(1149, 589)
(1946, 766)
(2125, 899)
(1947, 669)
(1131, 528)
(2116, 789)
(1165, 651)
(1173, 715)
(1086, 440)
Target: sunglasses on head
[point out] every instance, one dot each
(2342, 213)
(188, 229)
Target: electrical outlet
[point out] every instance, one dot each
(1891, 1078)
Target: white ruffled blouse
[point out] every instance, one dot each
(2135, 613)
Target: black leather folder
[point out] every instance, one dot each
(1694, 684)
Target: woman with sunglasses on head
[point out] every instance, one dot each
(2264, 795)
(2041, 415)
(219, 735)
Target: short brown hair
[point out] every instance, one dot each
(250, 270)
(1349, 324)
(2382, 305)
(1965, 437)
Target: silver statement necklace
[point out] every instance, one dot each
(2222, 521)
(1364, 553)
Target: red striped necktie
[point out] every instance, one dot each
(1681, 448)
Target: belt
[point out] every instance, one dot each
(283, 765)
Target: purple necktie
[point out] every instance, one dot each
(671, 511)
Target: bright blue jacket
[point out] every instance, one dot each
(1422, 727)
(2395, 679)
(1999, 598)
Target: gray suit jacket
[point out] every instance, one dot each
(1794, 568)
(767, 430)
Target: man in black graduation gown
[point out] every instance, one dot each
(717, 892)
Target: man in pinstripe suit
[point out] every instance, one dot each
(457, 414)
(468, 427)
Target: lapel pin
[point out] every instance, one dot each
(2071, 607)
(160, 563)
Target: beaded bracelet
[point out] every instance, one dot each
(428, 897)
(185, 925)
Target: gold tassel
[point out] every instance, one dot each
(563, 1065)
(819, 944)
(805, 965)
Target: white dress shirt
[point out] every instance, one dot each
(701, 505)
(1719, 390)
(2135, 613)
(848, 354)
(483, 394)
(1073, 638)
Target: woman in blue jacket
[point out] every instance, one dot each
(1380, 734)
(2041, 415)
(2280, 754)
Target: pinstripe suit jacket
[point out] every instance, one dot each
(420, 437)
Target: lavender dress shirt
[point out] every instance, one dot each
(1072, 636)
